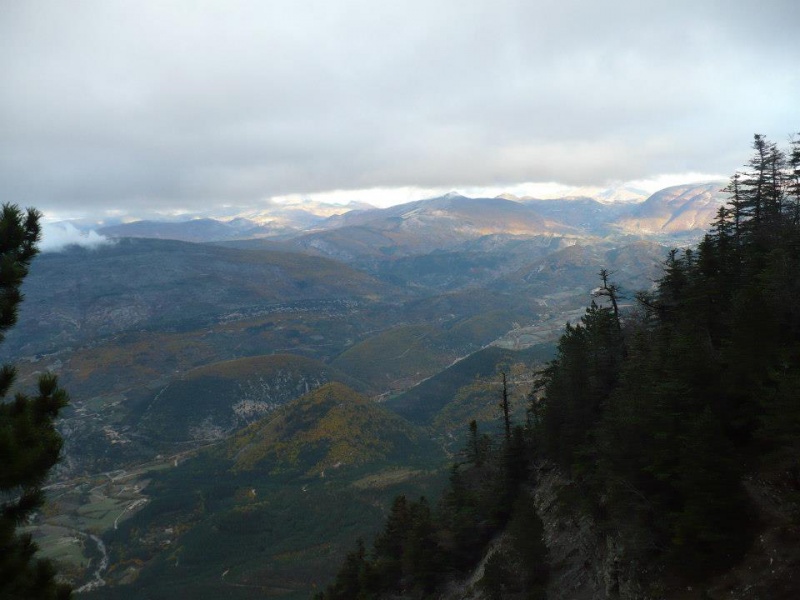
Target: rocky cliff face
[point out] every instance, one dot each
(585, 563)
(589, 564)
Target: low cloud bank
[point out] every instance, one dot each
(57, 236)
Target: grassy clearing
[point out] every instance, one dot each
(60, 544)
(99, 514)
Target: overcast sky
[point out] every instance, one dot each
(130, 106)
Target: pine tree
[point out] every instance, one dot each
(755, 184)
(29, 442)
(575, 386)
(505, 408)
(735, 204)
(389, 545)
(793, 179)
(352, 580)
(762, 191)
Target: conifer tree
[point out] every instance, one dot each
(29, 442)
(793, 178)
(735, 203)
(505, 408)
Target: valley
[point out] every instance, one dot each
(242, 410)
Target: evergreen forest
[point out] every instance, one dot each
(659, 408)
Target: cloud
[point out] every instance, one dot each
(185, 105)
(57, 236)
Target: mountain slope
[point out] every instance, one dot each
(423, 403)
(574, 268)
(677, 209)
(79, 295)
(207, 402)
(330, 428)
(272, 510)
(586, 215)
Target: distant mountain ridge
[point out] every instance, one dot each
(424, 226)
(439, 223)
(676, 209)
(273, 220)
(195, 230)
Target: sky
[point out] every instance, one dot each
(115, 107)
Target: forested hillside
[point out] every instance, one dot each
(658, 415)
(666, 420)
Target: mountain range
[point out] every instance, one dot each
(229, 384)
(441, 222)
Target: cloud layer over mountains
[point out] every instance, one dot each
(57, 236)
(150, 105)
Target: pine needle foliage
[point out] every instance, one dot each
(29, 442)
